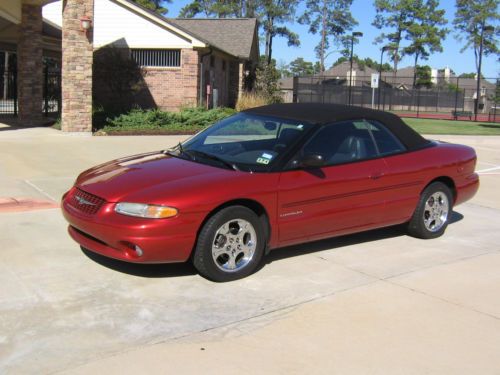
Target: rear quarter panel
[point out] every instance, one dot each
(411, 172)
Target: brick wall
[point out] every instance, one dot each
(119, 84)
(164, 88)
(76, 67)
(30, 66)
(173, 88)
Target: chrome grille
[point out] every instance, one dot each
(85, 202)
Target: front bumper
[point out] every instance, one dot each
(114, 235)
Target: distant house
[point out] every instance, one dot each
(338, 75)
(361, 74)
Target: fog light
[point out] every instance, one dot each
(138, 251)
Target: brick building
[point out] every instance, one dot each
(119, 55)
(27, 41)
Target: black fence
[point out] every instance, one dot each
(450, 98)
(51, 104)
(8, 92)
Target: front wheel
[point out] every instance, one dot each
(433, 212)
(230, 245)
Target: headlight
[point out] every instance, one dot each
(149, 211)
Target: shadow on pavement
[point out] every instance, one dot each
(143, 270)
(187, 269)
(10, 123)
(341, 241)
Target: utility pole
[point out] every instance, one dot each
(354, 34)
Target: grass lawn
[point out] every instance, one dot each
(431, 126)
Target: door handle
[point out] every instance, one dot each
(376, 175)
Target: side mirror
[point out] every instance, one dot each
(312, 161)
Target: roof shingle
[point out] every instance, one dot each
(232, 35)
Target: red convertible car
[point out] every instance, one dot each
(265, 178)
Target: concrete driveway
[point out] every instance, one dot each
(378, 302)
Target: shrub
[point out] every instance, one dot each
(188, 120)
(266, 83)
(250, 100)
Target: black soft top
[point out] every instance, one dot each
(320, 114)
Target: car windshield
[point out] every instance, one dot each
(243, 142)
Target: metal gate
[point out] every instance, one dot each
(51, 105)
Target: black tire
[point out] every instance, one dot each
(417, 225)
(216, 269)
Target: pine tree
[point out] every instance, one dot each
(155, 5)
(425, 32)
(329, 18)
(475, 19)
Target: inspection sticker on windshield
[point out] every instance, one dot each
(263, 161)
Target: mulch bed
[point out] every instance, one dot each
(146, 132)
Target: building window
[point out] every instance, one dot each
(224, 65)
(157, 57)
(212, 61)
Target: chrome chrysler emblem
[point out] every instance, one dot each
(83, 201)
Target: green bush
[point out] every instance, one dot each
(188, 120)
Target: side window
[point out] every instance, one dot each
(386, 142)
(342, 142)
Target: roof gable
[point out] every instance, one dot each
(126, 24)
(236, 36)
(343, 69)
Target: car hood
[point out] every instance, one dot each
(133, 177)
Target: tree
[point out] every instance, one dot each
(155, 5)
(425, 32)
(332, 19)
(376, 66)
(396, 17)
(219, 9)
(266, 82)
(496, 99)
(364, 62)
(472, 17)
(317, 67)
(273, 14)
(470, 75)
(283, 69)
(300, 67)
(423, 74)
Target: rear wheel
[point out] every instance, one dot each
(230, 245)
(433, 212)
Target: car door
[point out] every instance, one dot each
(342, 196)
(403, 177)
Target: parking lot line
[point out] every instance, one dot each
(488, 169)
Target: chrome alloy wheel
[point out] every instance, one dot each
(436, 211)
(234, 245)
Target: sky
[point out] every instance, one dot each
(364, 12)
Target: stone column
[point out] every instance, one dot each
(77, 54)
(30, 66)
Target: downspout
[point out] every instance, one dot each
(200, 100)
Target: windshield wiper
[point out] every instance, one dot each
(212, 157)
(180, 151)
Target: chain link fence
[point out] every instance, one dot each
(453, 98)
